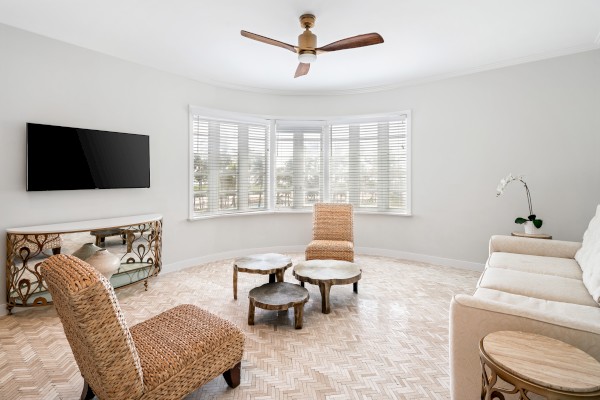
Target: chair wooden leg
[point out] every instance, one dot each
(87, 393)
(232, 376)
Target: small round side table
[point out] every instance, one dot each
(537, 364)
(326, 273)
(531, 235)
(271, 264)
(278, 296)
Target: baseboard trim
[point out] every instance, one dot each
(403, 255)
(191, 262)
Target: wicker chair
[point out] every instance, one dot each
(165, 357)
(333, 236)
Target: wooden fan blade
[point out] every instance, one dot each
(302, 69)
(270, 41)
(367, 39)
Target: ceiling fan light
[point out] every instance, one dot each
(307, 57)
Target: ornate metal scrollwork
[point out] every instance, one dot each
(24, 254)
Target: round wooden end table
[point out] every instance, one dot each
(531, 235)
(271, 264)
(537, 364)
(278, 296)
(326, 273)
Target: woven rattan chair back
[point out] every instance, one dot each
(333, 221)
(95, 327)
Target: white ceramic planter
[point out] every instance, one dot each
(530, 228)
(105, 262)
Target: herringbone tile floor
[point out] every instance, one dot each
(389, 341)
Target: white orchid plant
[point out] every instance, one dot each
(521, 178)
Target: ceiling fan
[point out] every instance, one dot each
(307, 49)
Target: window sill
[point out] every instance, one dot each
(305, 211)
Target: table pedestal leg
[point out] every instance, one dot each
(271, 278)
(302, 284)
(279, 275)
(298, 314)
(235, 274)
(325, 288)
(355, 287)
(250, 312)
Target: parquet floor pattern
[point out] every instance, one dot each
(389, 341)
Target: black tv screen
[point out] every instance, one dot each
(62, 158)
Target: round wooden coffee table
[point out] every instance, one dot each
(271, 264)
(537, 364)
(326, 273)
(278, 296)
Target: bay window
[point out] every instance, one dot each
(242, 165)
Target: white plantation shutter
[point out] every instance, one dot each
(368, 164)
(298, 164)
(229, 166)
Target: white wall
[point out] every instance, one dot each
(540, 119)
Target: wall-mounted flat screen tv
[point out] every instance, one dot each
(63, 158)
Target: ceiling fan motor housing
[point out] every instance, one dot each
(307, 41)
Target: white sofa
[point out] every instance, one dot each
(530, 285)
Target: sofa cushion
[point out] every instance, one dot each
(540, 286)
(547, 307)
(565, 267)
(588, 257)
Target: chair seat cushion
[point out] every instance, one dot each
(330, 249)
(183, 338)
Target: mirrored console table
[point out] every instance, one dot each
(137, 240)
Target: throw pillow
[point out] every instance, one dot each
(588, 257)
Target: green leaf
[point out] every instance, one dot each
(537, 223)
(531, 217)
(520, 220)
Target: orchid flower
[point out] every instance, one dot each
(521, 178)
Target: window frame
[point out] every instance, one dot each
(271, 140)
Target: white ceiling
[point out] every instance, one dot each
(424, 39)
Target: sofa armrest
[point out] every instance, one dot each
(472, 318)
(534, 247)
